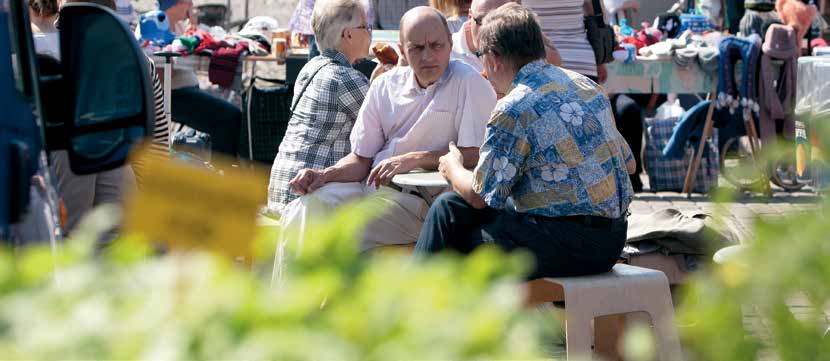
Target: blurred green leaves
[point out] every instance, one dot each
(126, 303)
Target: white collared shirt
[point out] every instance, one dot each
(399, 116)
(461, 51)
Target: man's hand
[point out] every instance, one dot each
(602, 74)
(382, 174)
(307, 181)
(453, 159)
(380, 69)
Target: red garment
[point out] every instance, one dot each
(818, 42)
(223, 65)
(208, 42)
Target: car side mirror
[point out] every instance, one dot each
(101, 103)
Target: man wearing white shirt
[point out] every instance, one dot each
(409, 117)
(465, 41)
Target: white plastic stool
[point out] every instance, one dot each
(625, 289)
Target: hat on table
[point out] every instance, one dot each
(780, 42)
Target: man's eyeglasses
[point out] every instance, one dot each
(478, 20)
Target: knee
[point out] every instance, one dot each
(627, 109)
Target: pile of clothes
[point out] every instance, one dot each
(225, 50)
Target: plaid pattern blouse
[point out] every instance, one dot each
(551, 145)
(319, 128)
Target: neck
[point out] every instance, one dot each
(44, 24)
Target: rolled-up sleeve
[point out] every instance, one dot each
(367, 136)
(471, 120)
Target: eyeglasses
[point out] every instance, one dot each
(367, 27)
(478, 20)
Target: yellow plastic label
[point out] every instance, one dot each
(186, 206)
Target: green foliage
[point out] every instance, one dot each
(334, 304)
(787, 259)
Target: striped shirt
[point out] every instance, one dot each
(390, 12)
(562, 22)
(159, 145)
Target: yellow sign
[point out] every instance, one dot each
(188, 206)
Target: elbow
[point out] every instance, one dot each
(631, 167)
(476, 201)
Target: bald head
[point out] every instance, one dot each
(421, 17)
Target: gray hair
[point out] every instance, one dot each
(512, 32)
(331, 17)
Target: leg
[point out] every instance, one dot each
(629, 118)
(562, 248)
(206, 113)
(397, 219)
(452, 223)
(76, 191)
(305, 210)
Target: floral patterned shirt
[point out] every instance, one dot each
(552, 146)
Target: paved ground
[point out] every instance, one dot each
(740, 217)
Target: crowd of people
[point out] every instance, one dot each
(501, 97)
(530, 149)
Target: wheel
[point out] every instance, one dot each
(737, 166)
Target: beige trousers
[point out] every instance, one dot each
(400, 222)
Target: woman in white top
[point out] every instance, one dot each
(562, 22)
(42, 15)
(454, 10)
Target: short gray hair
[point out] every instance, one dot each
(512, 32)
(331, 17)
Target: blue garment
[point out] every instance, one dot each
(688, 129)
(551, 145)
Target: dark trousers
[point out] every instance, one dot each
(562, 247)
(206, 113)
(629, 118)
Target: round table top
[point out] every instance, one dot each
(420, 179)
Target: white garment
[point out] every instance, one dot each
(48, 44)
(399, 221)
(398, 116)
(461, 51)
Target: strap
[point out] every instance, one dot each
(302, 91)
(597, 7)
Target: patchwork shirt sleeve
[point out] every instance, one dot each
(501, 160)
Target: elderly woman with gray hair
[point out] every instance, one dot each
(327, 97)
(552, 173)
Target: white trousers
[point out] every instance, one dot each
(400, 221)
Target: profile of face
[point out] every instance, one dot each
(498, 72)
(356, 40)
(478, 10)
(426, 47)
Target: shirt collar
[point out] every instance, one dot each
(337, 56)
(527, 71)
(412, 86)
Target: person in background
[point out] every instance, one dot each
(552, 176)
(42, 15)
(192, 106)
(300, 23)
(454, 10)
(465, 41)
(409, 116)
(562, 22)
(388, 13)
(318, 131)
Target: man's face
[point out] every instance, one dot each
(477, 14)
(427, 46)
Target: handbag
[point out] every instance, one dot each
(600, 35)
(268, 112)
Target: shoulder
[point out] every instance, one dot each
(465, 74)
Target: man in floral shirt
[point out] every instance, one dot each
(552, 176)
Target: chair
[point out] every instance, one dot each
(625, 289)
(213, 15)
